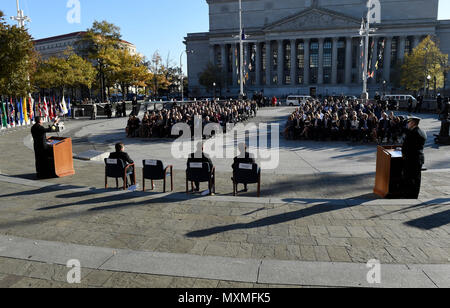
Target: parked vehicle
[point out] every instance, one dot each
(297, 100)
(399, 100)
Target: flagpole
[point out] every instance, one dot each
(241, 52)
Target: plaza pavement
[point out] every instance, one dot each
(316, 220)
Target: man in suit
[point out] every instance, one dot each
(42, 151)
(413, 158)
(243, 158)
(122, 155)
(199, 157)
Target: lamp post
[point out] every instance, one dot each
(428, 84)
(384, 87)
(182, 76)
(20, 18)
(214, 86)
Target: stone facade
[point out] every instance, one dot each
(309, 46)
(56, 46)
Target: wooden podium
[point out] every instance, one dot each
(62, 156)
(388, 181)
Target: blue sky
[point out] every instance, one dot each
(150, 24)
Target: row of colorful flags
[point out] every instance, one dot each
(23, 111)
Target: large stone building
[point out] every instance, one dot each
(55, 46)
(309, 46)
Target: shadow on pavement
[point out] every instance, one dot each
(325, 207)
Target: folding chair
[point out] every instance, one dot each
(246, 174)
(118, 169)
(154, 170)
(201, 172)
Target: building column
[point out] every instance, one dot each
(387, 60)
(374, 60)
(234, 50)
(320, 74)
(348, 60)
(269, 61)
(258, 64)
(293, 62)
(306, 68)
(334, 60)
(223, 57)
(212, 55)
(401, 47)
(280, 62)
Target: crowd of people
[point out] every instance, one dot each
(158, 124)
(339, 119)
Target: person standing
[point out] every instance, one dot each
(42, 151)
(413, 158)
(94, 111)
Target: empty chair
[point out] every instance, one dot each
(246, 174)
(118, 169)
(154, 170)
(201, 172)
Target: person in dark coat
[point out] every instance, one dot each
(243, 158)
(413, 158)
(199, 157)
(122, 155)
(42, 151)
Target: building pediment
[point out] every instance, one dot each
(314, 19)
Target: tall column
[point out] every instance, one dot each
(401, 47)
(258, 64)
(320, 74)
(280, 62)
(223, 57)
(212, 55)
(348, 60)
(387, 59)
(293, 62)
(334, 60)
(234, 50)
(306, 68)
(269, 61)
(374, 60)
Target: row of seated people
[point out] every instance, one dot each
(346, 121)
(158, 124)
(200, 168)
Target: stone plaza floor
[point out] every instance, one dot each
(317, 222)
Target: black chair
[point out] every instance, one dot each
(154, 170)
(246, 174)
(201, 172)
(118, 169)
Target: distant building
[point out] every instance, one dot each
(57, 45)
(309, 46)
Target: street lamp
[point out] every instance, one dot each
(182, 76)
(384, 87)
(428, 85)
(214, 85)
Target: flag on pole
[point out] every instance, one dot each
(21, 115)
(69, 108)
(11, 121)
(45, 114)
(64, 106)
(25, 113)
(50, 110)
(40, 106)
(32, 109)
(4, 118)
